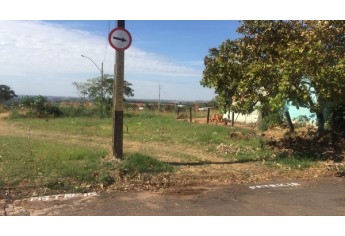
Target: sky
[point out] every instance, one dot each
(41, 42)
(44, 57)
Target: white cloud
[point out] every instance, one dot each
(45, 48)
(37, 47)
(148, 63)
(45, 58)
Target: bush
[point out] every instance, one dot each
(150, 106)
(36, 107)
(271, 118)
(79, 110)
(15, 113)
(302, 120)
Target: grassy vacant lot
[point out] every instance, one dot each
(74, 154)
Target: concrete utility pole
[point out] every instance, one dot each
(118, 100)
(120, 39)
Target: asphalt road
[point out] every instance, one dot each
(321, 197)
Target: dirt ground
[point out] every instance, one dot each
(190, 176)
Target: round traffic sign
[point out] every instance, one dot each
(120, 39)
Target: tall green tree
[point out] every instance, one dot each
(6, 93)
(264, 49)
(223, 72)
(321, 59)
(301, 62)
(101, 91)
(94, 88)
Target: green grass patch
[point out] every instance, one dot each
(139, 163)
(258, 155)
(48, 163)
(147, 126)
(294, 161)
(78, 126)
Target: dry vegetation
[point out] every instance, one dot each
(198, 165)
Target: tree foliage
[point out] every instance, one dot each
(6, 93)
(223, 72)
(101, 92)
(96, 90)
(274, 62)
(39, 107)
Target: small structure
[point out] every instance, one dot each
(203, 108)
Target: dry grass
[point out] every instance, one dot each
(195, 165)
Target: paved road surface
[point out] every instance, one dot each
(322, 197)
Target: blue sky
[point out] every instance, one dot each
(44, 57)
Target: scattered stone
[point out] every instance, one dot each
(2, 207)
(225, 149)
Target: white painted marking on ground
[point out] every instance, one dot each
(63, 196)
(274, 185)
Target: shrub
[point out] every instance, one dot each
(271, 118)
(79, 110)
(302, 120)
(37, 107)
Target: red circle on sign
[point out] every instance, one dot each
(116, 47)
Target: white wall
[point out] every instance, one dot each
(250, 118)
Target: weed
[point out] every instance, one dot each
(82, 125)
(106, 179)
(139, 163)
(294, 161)
(55, 185)
(3, 108)
(341, 171)
(47, 162)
